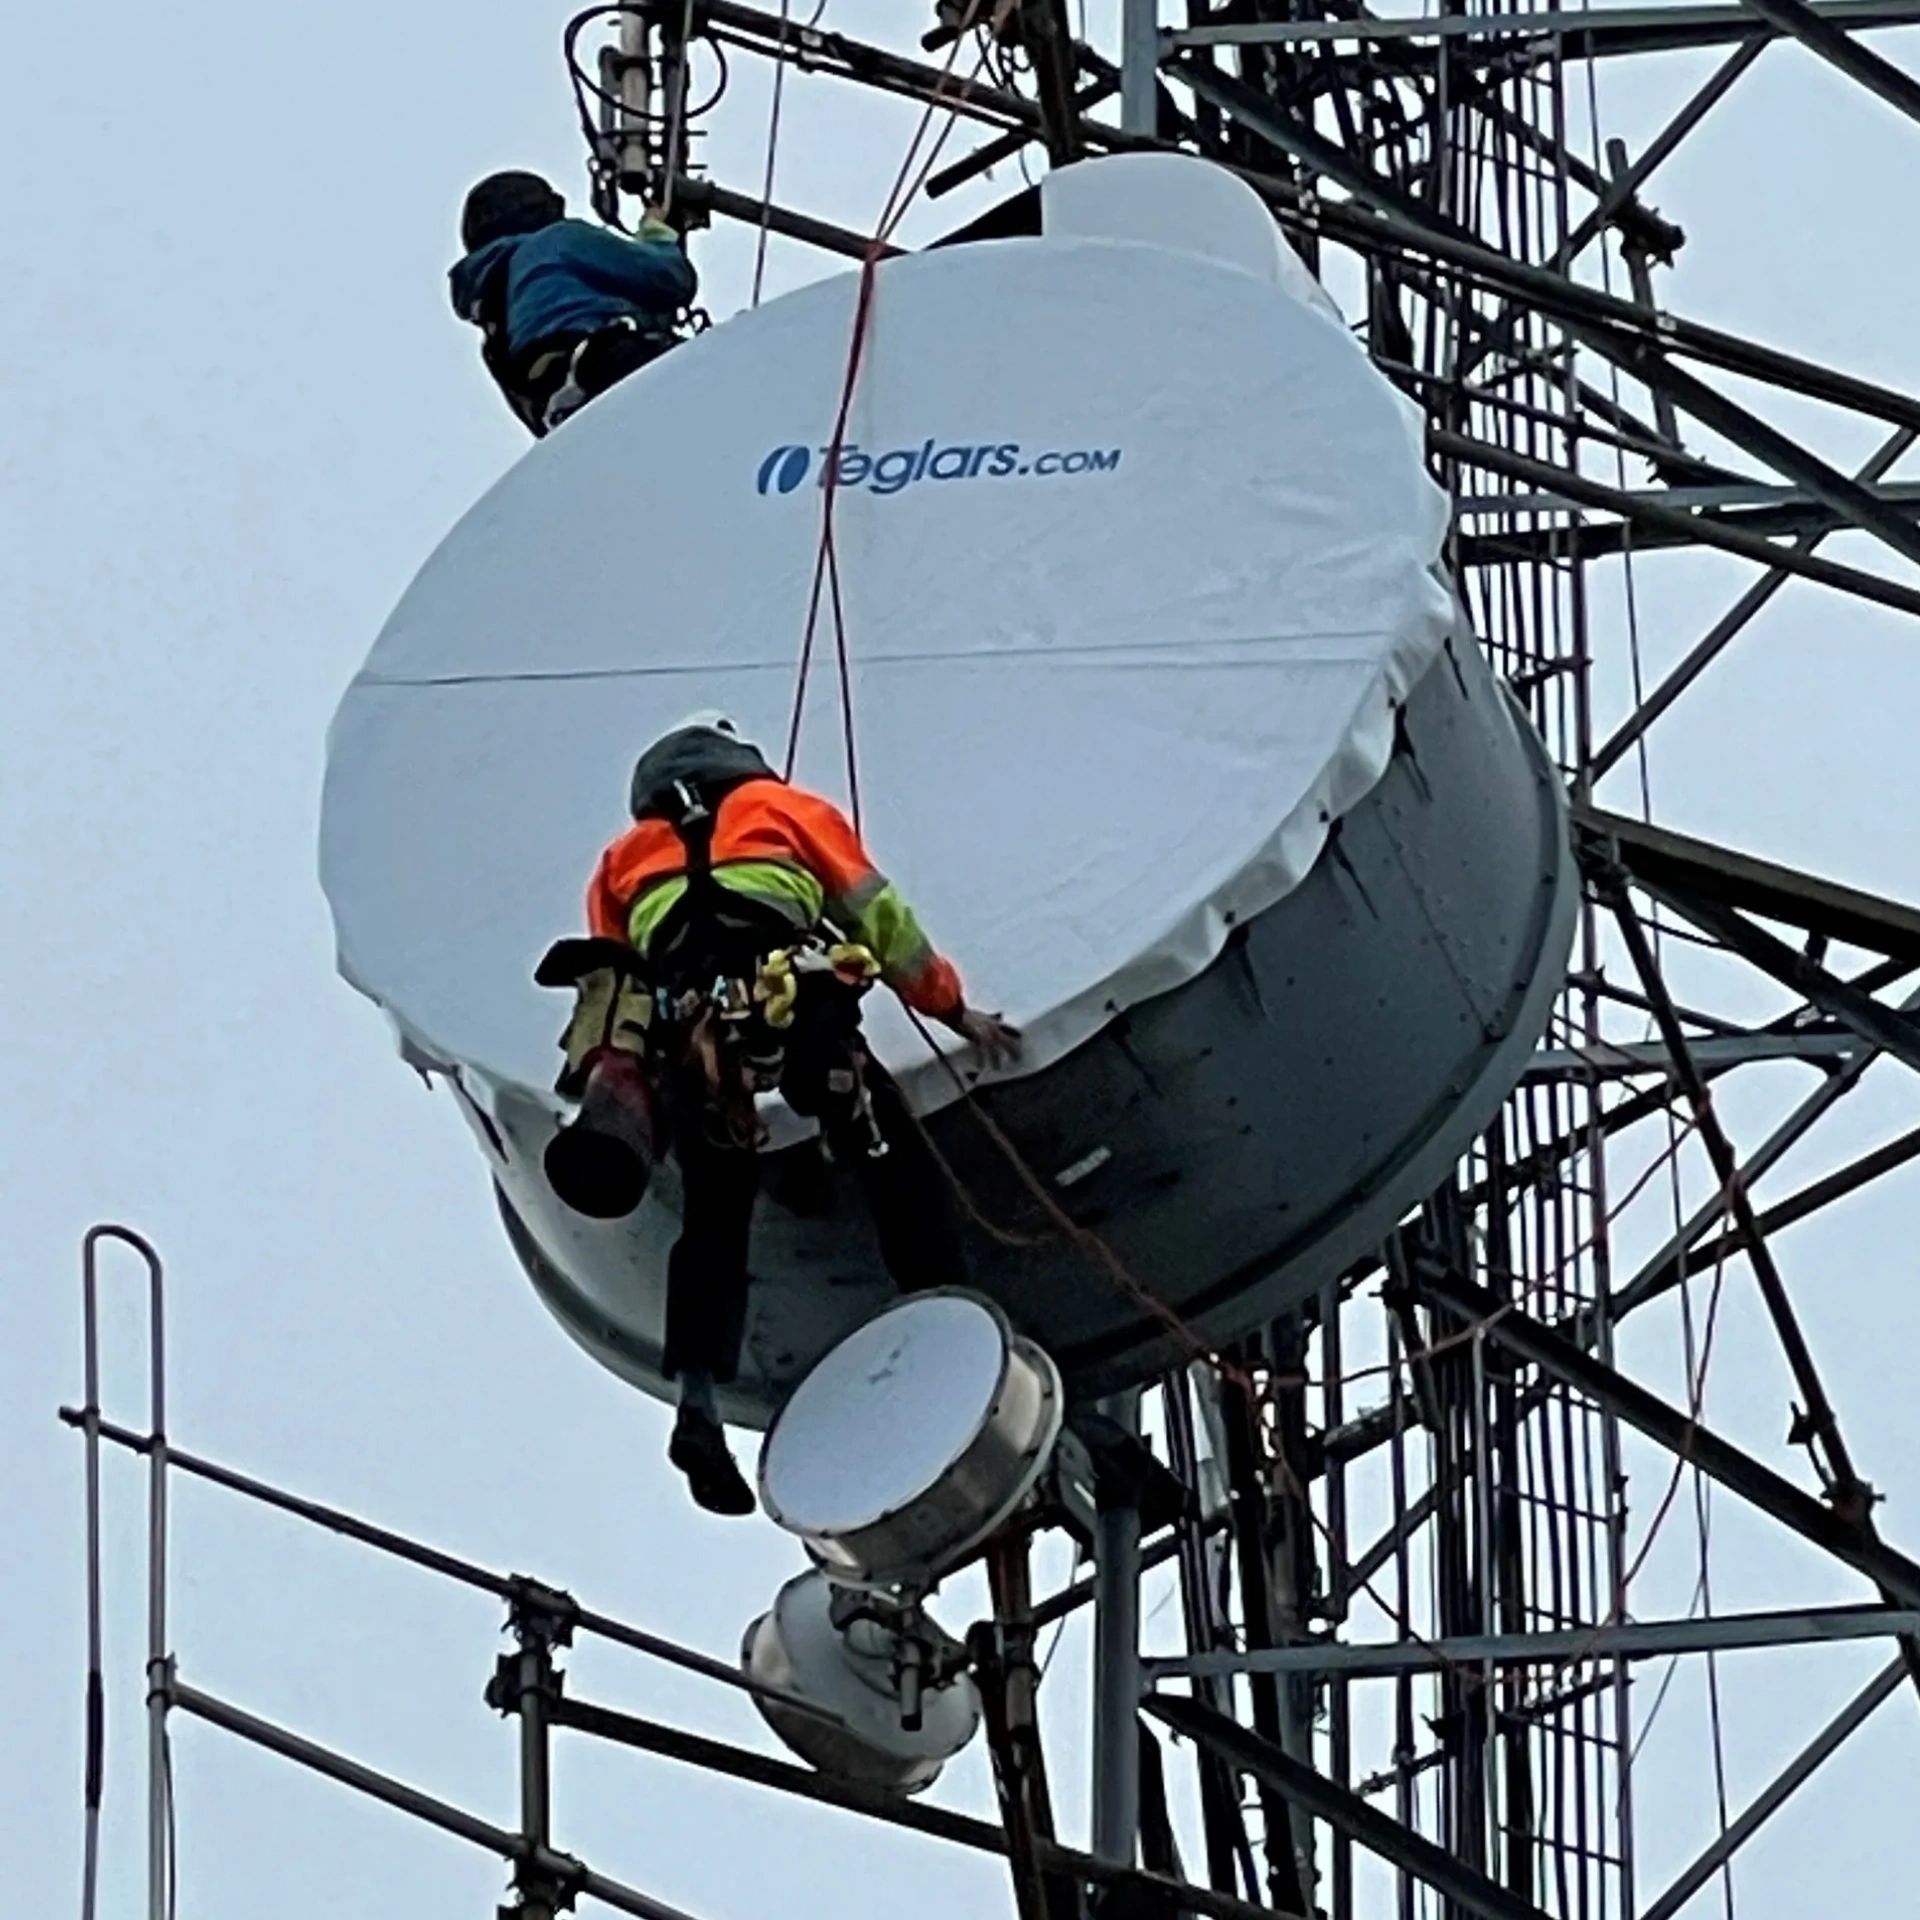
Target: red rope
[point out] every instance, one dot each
(825, 589)
(826, 586)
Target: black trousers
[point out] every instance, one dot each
(596, 361)
(607, 358)
(906, 1190)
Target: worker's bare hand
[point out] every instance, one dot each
(996, 1040)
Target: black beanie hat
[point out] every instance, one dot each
(508, 203)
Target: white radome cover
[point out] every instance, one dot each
(1100, 716)
(884, 1417)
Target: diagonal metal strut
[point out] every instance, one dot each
(1470, 1890)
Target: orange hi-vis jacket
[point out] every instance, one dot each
(788, 850)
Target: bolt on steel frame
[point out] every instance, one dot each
(1408, 1640)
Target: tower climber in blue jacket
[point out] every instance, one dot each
(566, 308)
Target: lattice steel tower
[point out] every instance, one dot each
(1412, 1667)
(1448, 175)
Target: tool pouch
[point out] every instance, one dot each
(600, 1162)
(612, 1009)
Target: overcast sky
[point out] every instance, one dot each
(237, 416)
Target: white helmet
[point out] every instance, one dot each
(710, 720)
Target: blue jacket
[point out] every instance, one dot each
(571, 278)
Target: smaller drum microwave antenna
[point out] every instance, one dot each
(896, 1460)
(912, 1441)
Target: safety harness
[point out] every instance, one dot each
(553, 379)
(711, 932)
(540, 386)
(717, 989)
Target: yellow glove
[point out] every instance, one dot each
(777, 988)
(853, 966)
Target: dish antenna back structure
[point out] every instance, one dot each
(1380, 1454)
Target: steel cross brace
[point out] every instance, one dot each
(1638, 348)
(1580, 33)
(1770, 513)
(1886, 1028)
(1777, 1792)
(1646, 362)
(1388, 221)
(1629, 180)
(1697, 529)
(1727, 628)
(1841, 50)
(1857, 504)
(1469, 1890)
(982, 1836)
(1632, 1639)
(1851, 1495)
(1682, 1256)
(1403, 225)
(1664, 1270)
(1752, 507)
(1387, 226)
(1654, 856)
(1619, 1060)
(1848, 1539)
(1809, 1200)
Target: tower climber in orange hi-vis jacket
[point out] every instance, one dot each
(735, 926)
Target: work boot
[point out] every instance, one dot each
(699, 1449)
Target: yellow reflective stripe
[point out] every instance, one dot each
(788, 889)
(875, 913)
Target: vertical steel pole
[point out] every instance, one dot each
(536, 1786)
(632, 155)
(1139, 66)
(1003, 1658)
(536, 1783)
(1333, 1416)
(1116, 1662)
(96, 1708)
(1203, 1565)
(527, 1684)
(158, 1667)
(1291, 1574)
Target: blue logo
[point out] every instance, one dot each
(783, 470)
(786, 467)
